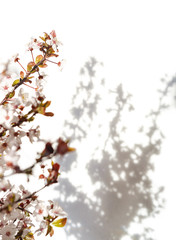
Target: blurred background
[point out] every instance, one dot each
(115, 100)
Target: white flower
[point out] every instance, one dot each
(5, 185)
(23, 192)
(8, 232)
(33, 133)
(40, 211)
(11, 155)
(14, 214)
(42, 228)
(15, 119)
(55, 210)
(33, 44)
(2, 223)
(24, 97)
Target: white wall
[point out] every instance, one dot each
(135, 41)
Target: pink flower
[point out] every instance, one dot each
(54, 40)
(53, 34)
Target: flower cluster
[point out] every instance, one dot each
(22, 214)
(20, 210)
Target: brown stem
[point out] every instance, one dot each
(22, 199)
(28, 170)
(23, 80)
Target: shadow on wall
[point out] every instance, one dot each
(119, 171)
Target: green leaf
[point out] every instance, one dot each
(38, 59)
(10, 95)
(15, 82)
(42, 38)
(41, 110)
(50, 50)
(30, 119)
(43, 65)
(12, 198)
(59, 222)
(29, 236)
(30, 77)
(30, 66)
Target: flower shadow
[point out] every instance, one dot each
(119, 169)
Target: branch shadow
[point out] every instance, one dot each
(119, 171)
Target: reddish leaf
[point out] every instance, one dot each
(63, 147)
(51, 232)
(47, 37)
(47, 104)
(21, 74)
(49, 114)
(56, 167)
(53, 173)
(47, 151)
(49, 229)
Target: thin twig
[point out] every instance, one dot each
(22, 80)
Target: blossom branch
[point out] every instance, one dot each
(8, 96)
(20, 199)
(31, 196)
